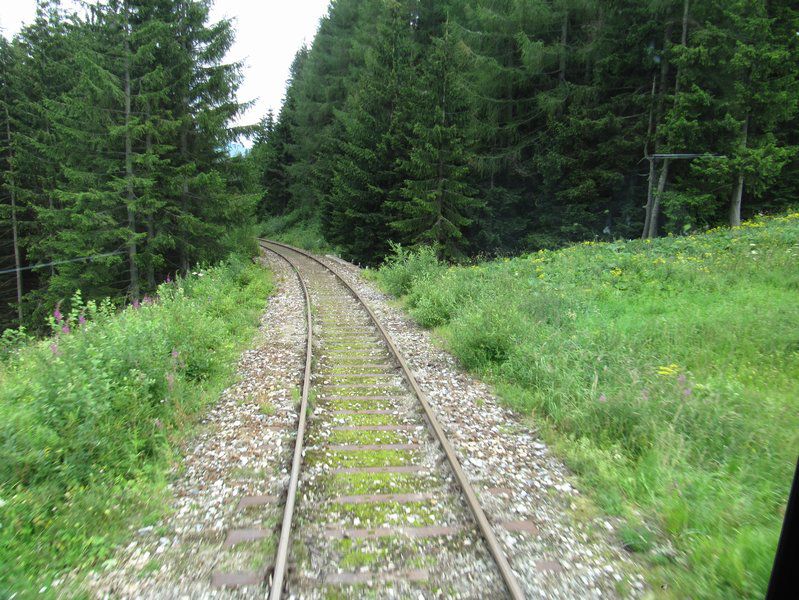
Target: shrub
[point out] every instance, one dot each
(403, 268)
(88, 416)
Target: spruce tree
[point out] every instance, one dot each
(371, 146)
(436, 201)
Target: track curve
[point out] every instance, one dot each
(295, 256)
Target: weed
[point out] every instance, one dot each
(665, 373)
(89, 418)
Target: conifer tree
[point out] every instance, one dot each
(436, 201)
(366, 173)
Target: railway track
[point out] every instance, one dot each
(377, 503)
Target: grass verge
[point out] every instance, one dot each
(665, 373)
(89, 417)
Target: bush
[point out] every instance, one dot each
(666, 372)
(88, 416)
(404, 268)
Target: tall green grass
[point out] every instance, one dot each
(89, 417)
(665, 373)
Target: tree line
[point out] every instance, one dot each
(114, 174)
(498, 126)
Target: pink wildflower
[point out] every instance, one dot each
(54, 349)
(65, 329)
(81, 320)
(57, 314)
(168, 278)
(136, 304)
(603, 398)
(175, 353)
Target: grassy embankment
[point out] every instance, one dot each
(90, 417)
(666, 374)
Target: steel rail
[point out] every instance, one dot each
(508, 577)
(281, 558)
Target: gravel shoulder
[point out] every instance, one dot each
(241, 448)
(571, 552)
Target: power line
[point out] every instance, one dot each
(61, 262)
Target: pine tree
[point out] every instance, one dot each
(365, 173)
(436, 201)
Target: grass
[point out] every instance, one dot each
(296, 229)
(89, 418)
(666, 374)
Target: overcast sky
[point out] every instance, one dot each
(269, 32)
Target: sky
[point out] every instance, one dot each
(269, 33)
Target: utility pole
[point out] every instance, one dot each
(14, 232)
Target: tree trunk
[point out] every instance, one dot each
(148, 147)
(184, 150)
(651, 181)
(14, 227)
(564, 40)
(649, 199)
(134, 270)
(738, 191)
(653, 222)
(684, 41)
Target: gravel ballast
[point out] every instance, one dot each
(243, 446)
(241, 449)
(516, 476)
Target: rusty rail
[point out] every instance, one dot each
(281, 558)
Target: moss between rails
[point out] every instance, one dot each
(667, 374)
(89, 418)
(347, 484)
(362, 458)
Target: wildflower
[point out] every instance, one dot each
(603, 398)
(57, 314)
(81, 320)
(136, 304)
(65, 329)
(175, 353)
(54, 349)
(681, 379)
(668, 370)
(147, 300)
(687, 391)
(168, 278)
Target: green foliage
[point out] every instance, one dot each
(403, 268)
(296, 230)
(666, 373)
(115, 126)
(503, 126)
(89, 416)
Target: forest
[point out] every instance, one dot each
(114, 174)
(493, 127)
